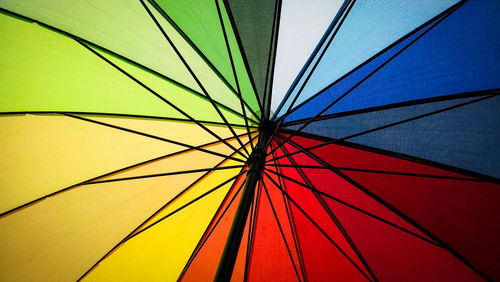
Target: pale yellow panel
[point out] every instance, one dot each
(60, 238)
(190, 160)
(184, 132)
(210, 181)
(160, 253)
(43, 154)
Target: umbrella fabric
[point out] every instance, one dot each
(356, 140)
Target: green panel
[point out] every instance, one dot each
(254, 22)
(199, 20)
(42, 70)
(195, 105)
(216, 88)
(123, 27)
(246, 87)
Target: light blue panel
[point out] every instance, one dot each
(370, 27)
(461, 54)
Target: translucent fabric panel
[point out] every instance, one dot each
(451, 58)
(242, 76)
(301, 26)
(463, 214)
(210, 81)
(211, 246)
(465, 137)
(209, 182)
(188, 133)
(62, 237)
(323, 100)
(254, 23)
(193, 105)
(345, 126)
(64, 76)
(123, 27)
(199, 20)
(368, 29)
(40, 155)
(161, 252)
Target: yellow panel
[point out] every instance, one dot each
(179, 162)
(209, 182)
(60, 238)
(160, 253)
(184, 132)
(43, 154)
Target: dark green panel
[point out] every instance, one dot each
(254, 22)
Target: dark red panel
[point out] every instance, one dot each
(397, 256)
(463, 214)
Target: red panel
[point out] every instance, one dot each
(270, 260)
(463, 214)
(341, 156)
(206, 261)
(318, 258)
(397, 256)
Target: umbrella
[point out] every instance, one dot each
(161, 140)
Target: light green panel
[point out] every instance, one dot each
(246, 88)
(199, 20)
(215, 87)
(194, 105)
(121, 26)
(42, 70)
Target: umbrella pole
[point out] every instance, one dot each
(256, 164)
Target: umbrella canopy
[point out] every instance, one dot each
(265, 140)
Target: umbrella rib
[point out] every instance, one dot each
(271, 59)
(281, 230)
(317, 226)
(136, 230)
(160, 97)
(353, 207)
(332, 216)
(177, 52)
(242, 51)
(341, 16)
(211, 227)
(453, 8)
(238, 94)
(108, 174)
(414, 118)
(210, 169)
(153, 136)
(186, 205)
(377, 171)
(328, 141)
(400, 214)
(198, 51)
(292, 225)
(121, 115)
(495, 91)
(370, 59)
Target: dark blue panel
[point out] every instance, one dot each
(342, 127)
(313, 106)
(461, 54)
(465, 137)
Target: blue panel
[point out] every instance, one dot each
(316, 104)
(370, 27)
(461, 54)
(342, 127)
(466, 137)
